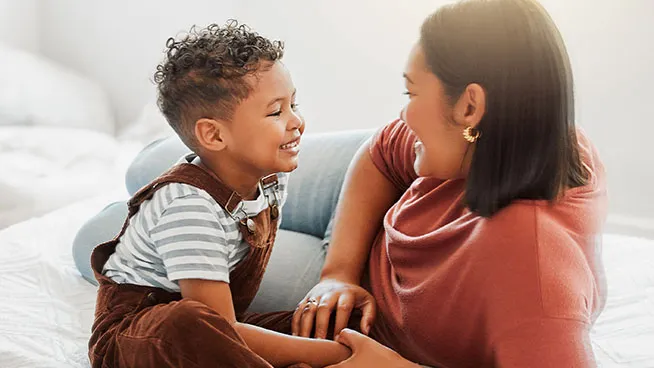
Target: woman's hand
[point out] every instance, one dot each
(367, 352)
(320, 302)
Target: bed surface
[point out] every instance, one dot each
(45, 168)
(46, 308)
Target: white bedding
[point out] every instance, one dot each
(44, 168)
(46, 308)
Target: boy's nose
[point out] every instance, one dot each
(295, 122)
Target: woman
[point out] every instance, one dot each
(471, 221)
(466, 233)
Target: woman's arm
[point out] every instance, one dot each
(367, 195)
(380, 172)
(277, 349)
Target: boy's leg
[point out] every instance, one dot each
(184, 333)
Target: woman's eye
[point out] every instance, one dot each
(295, 106)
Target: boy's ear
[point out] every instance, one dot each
(211, 134)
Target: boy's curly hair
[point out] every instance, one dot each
(203, 74)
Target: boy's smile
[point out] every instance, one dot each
(263, 135)
(292, 147)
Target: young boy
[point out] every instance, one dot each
(177, 280)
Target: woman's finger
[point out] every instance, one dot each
(308, 317)
(297, 317)
(325, 308)
(343, 311)
(369, 311)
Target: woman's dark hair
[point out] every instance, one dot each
(203, 74)
(528, 148)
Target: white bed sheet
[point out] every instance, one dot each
(45, 168)
(46, 308)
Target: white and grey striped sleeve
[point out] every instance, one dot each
(191, 241)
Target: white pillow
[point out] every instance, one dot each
(45, 168)
(150, 125)
(36, 91)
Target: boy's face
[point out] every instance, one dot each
(264, 133)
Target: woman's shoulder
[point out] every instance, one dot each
(545, 254)
(536, 226)
(392, 152)
(578, 213)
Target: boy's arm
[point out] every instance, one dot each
(278, 349)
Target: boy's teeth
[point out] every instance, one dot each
(289, 145)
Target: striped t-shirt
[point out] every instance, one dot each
(183, 233)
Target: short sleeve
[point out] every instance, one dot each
(538, 292)
(545, 342)
(392, 152)
(191, 241)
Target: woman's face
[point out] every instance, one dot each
(440, 149)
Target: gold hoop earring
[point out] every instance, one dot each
(471, 134)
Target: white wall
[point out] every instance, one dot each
(119, 43)
(19, 24)
(612, 50)
(347, 59)
(347, 56)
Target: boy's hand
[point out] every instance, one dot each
(272, 346)
(282, 350)
(367, 352)
(327, 352)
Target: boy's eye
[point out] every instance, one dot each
(294, 107)
(407, 93)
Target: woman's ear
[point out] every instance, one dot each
(211, 134)
(471, 106)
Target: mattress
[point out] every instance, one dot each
(45, 168)
(46, 308)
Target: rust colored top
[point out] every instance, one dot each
(519, 289)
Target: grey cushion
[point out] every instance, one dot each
(294, 268)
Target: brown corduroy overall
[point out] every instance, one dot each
(140, 326)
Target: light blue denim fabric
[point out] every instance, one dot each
(313, 193)
(313, 188)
